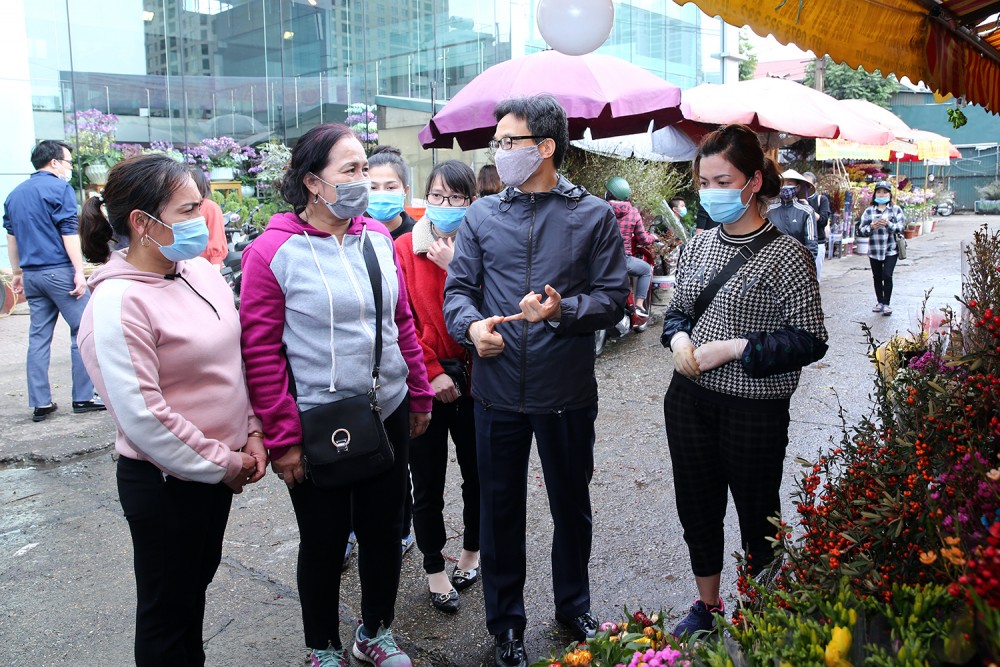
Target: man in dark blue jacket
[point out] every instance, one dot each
(549, 256)
(45, 256)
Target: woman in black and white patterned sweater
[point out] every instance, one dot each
(737, 365)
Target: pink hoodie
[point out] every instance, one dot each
(164, 353)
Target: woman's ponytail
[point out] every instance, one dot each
(96, 234)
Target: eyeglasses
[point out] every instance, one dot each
(437, 199)
(506, 142)
(62, 159)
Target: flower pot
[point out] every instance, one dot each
(861, 246)
(928, 227)
(221, 173)
(248, 190)
(97, 173)
(909, 232)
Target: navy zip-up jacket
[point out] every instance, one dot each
(513, 243)
(38, 213)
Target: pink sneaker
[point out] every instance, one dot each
(380, 650)
(331, 657)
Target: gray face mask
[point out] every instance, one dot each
(516, 165)
(352, 198)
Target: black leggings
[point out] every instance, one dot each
(429, 465)
(718, 447)
(177, 530)
(325, 516)
(882, 275)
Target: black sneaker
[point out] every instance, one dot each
(79, 407)
(700, 619)
(40, 414)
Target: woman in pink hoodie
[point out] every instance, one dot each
(161, 339)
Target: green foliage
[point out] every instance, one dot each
(991, 191)
(957, 117)
(652, 183)
(231, 203)
(843, 82)
(749, 66)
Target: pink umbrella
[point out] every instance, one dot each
(779, 105)
(609, 95)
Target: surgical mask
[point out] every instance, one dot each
(384, 205)
(881, 200)
(788, 192)
(66, 177)
(516, 165)
(352, 198)
(724, 205)
(682, 211)
(446, 218)
(190, 239)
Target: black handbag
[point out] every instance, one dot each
(458, 371)
(345, 441)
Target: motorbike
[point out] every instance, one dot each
(239, 238)
(631, 321)
(944, 209)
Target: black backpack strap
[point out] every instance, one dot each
(375, 276)
(743, 254)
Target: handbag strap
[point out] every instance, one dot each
(375, 276)
(745, 253)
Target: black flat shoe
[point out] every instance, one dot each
(510, 649)
(582, 627)
(40, 414)
(446, 602)
(462, 579)
(79, 407)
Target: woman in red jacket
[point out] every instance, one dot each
(423, 255)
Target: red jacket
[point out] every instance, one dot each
(634, 233)
(425, 289)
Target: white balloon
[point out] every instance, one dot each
(575, 27)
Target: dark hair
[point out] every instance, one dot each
(675, 199)
(392, 156)
(488, 181)
(310, 155)
(544, 116)
(140, 183)
(201, 181)
(48, 150)
(457, 175)
(739, 145)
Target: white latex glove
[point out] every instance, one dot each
(684, 360)
(719, 352)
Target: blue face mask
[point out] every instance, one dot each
(384, 205)
(724, 205)
(788, 192)
(881, 200)
(446, 218)
(190, 238)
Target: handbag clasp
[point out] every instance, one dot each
(341, 440)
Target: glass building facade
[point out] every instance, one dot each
(181, 70)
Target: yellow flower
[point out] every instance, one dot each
(954, 555)
(952, 541)
(928, 557)
(838, 648)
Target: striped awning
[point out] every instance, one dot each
(951, 45)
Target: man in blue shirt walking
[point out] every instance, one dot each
(44, 250)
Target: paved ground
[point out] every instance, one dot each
(65, 552)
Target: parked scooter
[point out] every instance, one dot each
(239, 239)
(944, 209)
(631, 321)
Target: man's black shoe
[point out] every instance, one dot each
(41, 413)
(582, 627)
(79, 407)
(510, 649)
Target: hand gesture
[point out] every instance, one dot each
(79, 285)
(533, 309)
(684, 361)
(444, 388)
(247, 470)
(488, 342)
(419, 421)
(290, 467)
(255, 448)
(441, 252)
(718, 352)
(17, 284)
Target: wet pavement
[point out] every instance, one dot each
(65, 552)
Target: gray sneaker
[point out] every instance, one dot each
(381, 650)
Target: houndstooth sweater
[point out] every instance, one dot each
(773, 301)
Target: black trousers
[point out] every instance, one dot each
(882, 276)
(375, 508)
(566, 448)
(177, 529)
(429, 465)
(715, 448)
